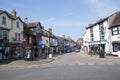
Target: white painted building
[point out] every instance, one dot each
(115, 33)
(100, 34)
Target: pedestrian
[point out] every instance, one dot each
(29, 54)
(91, 53)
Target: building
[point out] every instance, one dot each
(11, 33)
(66, 45)
(60, 44)
(114, 28)
(79, 43)
(101, 34)
(32, 31)
(53, 42)
(86, 40)
(17, 37)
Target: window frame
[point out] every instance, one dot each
(101, 31)
(4, 34)
(18, 24)
(91, 34)
(3, 20)
(117, 30)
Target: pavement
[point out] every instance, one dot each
(68, 59)
(23, 64)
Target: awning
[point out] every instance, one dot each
(97, 42)
(115, 42)
(52, 43)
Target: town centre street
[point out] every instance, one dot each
(70, 66)
(67, 59)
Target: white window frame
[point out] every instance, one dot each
(3, 34)
(3, 20)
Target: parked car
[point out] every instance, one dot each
(77, 50)
(68, 51)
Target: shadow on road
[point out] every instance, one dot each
(7, 61)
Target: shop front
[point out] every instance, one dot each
(4, 49)
(15, 50)
(94, 47)
(10, 50)
(116, 48)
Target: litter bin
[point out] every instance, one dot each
(50, 56)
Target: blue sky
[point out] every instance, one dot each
(65, 17)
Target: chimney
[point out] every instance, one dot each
(69, 37)
(63, 36)
(13, 13)
(89, 24)
(42, 27)
(100, 19)
(50, 30)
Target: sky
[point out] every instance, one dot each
(65, 17)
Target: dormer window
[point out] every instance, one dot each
(3, 20)
(17, 24)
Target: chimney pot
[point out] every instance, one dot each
(50, 30)
(63, 36)
(13, 13)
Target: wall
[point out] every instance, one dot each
(44, 39)
(8, 21)
(16, 30)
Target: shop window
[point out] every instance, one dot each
(119, 46)
(115, 47)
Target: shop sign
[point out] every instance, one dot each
(23, 39)
(47, 44)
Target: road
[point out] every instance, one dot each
(71, 66)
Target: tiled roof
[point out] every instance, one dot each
(32, 24)
(114, 19)
(45, 33)
(27, 31)
(1, 11)
(10, 15)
